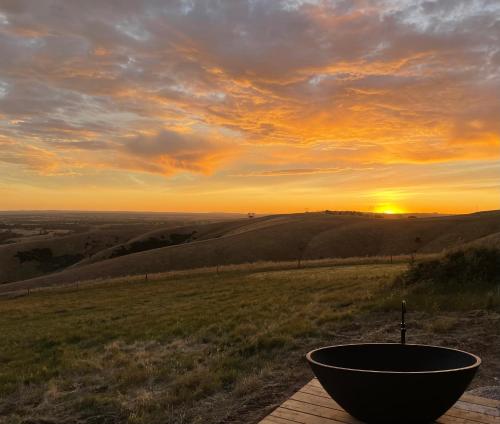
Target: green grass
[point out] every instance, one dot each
(458, 280)
(194, 349)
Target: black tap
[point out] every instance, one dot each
(403, 325)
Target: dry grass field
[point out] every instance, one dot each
(213, 348)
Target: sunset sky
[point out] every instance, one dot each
(258, 105)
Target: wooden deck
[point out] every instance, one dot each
(312, 405)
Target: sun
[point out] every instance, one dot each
(388, 209)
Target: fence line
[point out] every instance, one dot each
(252, 266)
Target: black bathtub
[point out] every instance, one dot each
(394, 383)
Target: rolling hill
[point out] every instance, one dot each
(49, 242)
(274, 238)
(37, 257)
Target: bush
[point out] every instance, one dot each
(47, 262)
(473, 267)
(153, 243)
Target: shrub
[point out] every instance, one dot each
(153, 243)
(471, 268)
(47, 262)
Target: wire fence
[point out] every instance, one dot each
(221, 269)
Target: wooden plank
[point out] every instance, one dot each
(312, 405)
(301, 417)
(315, 382)
(466, 397)
(308, 418)
(315, 391)
(276, 420)
(487, 410)
(453, 412)
(480, 400)
(446, 419)
(471, 416)
(478, 409)
(316, 400)
(321, 411)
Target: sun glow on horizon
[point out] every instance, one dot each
(389, 209)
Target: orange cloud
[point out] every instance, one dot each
(30, 157)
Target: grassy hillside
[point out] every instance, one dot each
(49, 242)
(171, 236)
(19, 261)
(279, 238)
(211, 348)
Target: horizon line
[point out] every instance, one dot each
(234, 213)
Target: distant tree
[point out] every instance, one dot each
(219, 252)
(90, 247)
(301, 249)
(418, 242)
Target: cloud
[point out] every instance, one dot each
(168, 152)
(92, 145)
(30, 157)
(168, 87)
(298, 172)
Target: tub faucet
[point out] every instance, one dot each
(403, 325)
